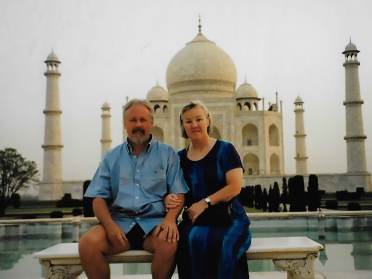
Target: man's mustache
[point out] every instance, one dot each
(138, 130)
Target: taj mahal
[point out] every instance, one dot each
(203, 71)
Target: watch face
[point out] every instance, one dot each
(208, 201)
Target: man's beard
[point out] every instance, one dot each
(138, 136)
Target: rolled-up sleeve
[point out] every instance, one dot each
(100, 184)
(175, 180)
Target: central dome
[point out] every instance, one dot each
(201, 62)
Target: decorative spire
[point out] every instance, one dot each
(199, 25)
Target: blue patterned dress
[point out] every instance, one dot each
(215, 245)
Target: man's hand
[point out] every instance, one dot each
(172, 201)
(115, 235)
(167, 230)
(196, 209)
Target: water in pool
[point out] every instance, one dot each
(345, 251)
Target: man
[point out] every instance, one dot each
(133, 179)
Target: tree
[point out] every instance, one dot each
(258, 197)
(284, 198)
(297, 193)
(15, 173)
(276, 197)
(313, 193)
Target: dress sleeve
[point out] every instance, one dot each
(100, 184)
(230, 158)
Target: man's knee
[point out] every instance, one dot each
(165, 248)
(91, 242)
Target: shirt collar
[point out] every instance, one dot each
(148, 143)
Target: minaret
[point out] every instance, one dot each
(355, 137)
(301, 158)
(106, 129)
(51, 187)
(124, 131)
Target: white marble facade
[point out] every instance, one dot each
(203, 71)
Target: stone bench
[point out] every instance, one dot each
(295, 255)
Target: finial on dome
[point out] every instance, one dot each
(199, 25)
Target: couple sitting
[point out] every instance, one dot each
(136, 178)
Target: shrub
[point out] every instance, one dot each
(342, 195)
(77, 211)
(87, 201)
(331, 204)
(353, 206)
(297, 193)
(56, 214)
(360, 190)
(313, 195)
(67, 201)
(15, 200)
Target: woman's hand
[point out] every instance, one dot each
(196, 209)
(172, 201)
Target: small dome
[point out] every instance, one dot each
(157, 93)
(105, 106)
(200, 61)
(351, 47)
(52, 57)
(246, 90)
(298, 100)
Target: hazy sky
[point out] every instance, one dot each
(113, 49)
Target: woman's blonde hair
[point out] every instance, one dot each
(192, 105)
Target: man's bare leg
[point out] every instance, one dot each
(93, 245)
(163, 261)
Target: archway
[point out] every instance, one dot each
(273, 135)
(274, 164)
(249, 135)
(251, 164)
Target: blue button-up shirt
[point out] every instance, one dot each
(136, 185)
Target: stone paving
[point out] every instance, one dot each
(274, 275)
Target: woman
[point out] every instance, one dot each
(214, 233)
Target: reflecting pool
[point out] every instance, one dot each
(348, 247)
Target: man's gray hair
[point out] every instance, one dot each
(134, 102)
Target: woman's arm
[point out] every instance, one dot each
(234, 180)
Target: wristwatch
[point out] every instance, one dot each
(208, 201)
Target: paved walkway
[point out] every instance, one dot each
(274, 275)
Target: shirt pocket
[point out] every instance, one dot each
(154, 181)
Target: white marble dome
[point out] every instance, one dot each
(201, 60)
(298, 100)
(351, 47)
(52, 57)
(246, 90)
(105, 106)
(157, 93)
